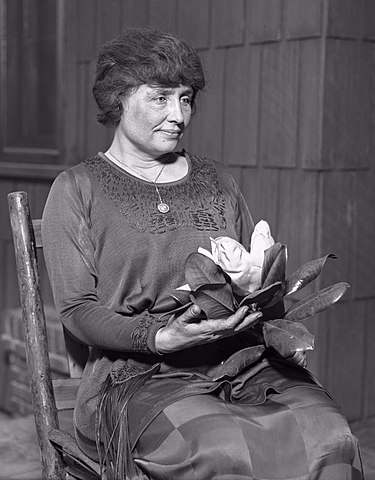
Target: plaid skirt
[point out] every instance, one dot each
(280, 425)
(273, 421)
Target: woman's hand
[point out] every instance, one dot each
(190, 329)
(299, 358)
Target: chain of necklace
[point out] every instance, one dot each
(162, 206)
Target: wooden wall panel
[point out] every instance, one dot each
(206, 130)
(337, 223)
(163, 15)
(85, 22)
(109, 18)
(346, 359)
(345, 18)
(297, 221)
(135, 13)
(347, 114)
(194, 22)
(263, 20)
(242, 92)
(310, 104)
(260, 188)
(369, 19)
(228, 27)
(279, 104)
(363, 276)
(303, 18)
(369, 367)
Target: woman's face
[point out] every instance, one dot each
(154, 119)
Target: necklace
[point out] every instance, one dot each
(162, 206)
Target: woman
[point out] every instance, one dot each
(117, 230)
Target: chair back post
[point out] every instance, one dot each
(36, 333)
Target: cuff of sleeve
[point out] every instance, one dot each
(151, 337)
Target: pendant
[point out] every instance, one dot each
(163, 207)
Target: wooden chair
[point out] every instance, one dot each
(61, 458)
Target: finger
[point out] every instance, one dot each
(248, 321)
(191, 314)
(299, 358)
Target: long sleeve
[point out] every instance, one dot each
(70, 254)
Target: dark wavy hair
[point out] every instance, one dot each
(142, 56)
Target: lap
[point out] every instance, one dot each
(297, 434)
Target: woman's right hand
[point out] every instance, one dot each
(189, 329)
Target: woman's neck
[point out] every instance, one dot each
(166, 168)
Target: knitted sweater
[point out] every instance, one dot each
(114, 260)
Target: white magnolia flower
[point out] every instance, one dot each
(243, 267)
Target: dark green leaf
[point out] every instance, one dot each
(274, 265)
(201, 270)
(178, 310)
(237, 362)
(262, 297)
(287, 337)
(215, 300)
(182, 296)
(305, 274)
(317, 302)
(271, 312)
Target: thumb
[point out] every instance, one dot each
(192, 313)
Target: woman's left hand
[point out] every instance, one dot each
(299, 358)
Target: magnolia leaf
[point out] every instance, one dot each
(178, 310)
(237, 362)
(262, 297)
(182, 296)
(317, 302)
(216, 301)
(201, 270)
(305, 274)
(274, 265)
(287, 337)
(271, 312)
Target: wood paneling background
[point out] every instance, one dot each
(289, 107)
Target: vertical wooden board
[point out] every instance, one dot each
(93, 136)
(310, 104)
(237, 173)
(194, 22)
(346, 356)
(347, 113)
(345, 18)
(260, 190)
(86, 28)
(108, 23)
(7, 262)
(135, 13)
(337, 225)
(228, 23)
(68, 94)
(82, 108)
(241, 105)
(297, 219)
(369, 383)
(279, 104)
(206, 128)
(263, 20)
(303, 18)
(163, 15)
(316, 359)
(369, 20)
(363, 252)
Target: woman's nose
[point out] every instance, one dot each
(175, 113)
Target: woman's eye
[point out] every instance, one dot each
(186, 100)
(161, 99)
